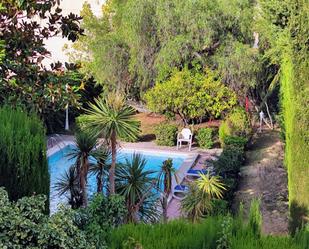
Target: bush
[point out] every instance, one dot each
(234, 141)
(237, 123)
(24, 225)
(230, 161)
(23, 162)
(102, 214)
(166, 134)
(205, 138)
(219, 207)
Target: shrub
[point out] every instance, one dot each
(100, 216)
(219, 207)
(237, 123)
(205, 138)
(234, 141)
(23, 162)
(166, 134)
(24, 225)
(230, 161)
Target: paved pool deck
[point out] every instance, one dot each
(194, 159)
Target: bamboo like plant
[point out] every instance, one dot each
(110, 118)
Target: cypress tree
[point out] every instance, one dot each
(23, 160)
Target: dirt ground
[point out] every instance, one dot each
(265, 177)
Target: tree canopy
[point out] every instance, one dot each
(191, 95)
(135, 45)
(24, 79)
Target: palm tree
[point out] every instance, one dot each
(69, 184)
(84, 145)
(136, 185)
(165, 176)
(197, 202)
(102, 155)
(110, 118)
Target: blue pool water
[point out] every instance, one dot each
(59, 163)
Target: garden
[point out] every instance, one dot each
(142, 138)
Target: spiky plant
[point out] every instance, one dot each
(197, 202)
(69, 185)
(100, 168)
(165, 177)
(112, 119)
(84, 146)
(136, 185)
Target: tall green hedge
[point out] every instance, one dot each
(23, 162)
(295, 109)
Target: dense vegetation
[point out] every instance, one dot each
(285, 26)
(23, 162)
(192, 60)
(25, 79)
(212, 233)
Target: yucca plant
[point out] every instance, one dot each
(136, 184)
(197, 202)
(100, 168)
(69, 185)
(112, 119)
(165, 177)
(85, 143)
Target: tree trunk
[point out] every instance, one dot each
(83, 180)
(164, 207)
(100, 181)
(165, 197)
(113, 165)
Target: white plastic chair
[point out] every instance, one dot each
(184, 136)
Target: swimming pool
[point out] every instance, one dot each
(58, 164)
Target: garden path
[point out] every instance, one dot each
(265, 177)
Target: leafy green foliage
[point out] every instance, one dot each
(134, 45)
(229, 163)
(24, 225)
(191, 95)
(24, 80)
(235, 124)
(23, 163)
(230, 160)
(102, 214)
(166, 134)
(205, 138)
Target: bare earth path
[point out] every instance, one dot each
(265, 177)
